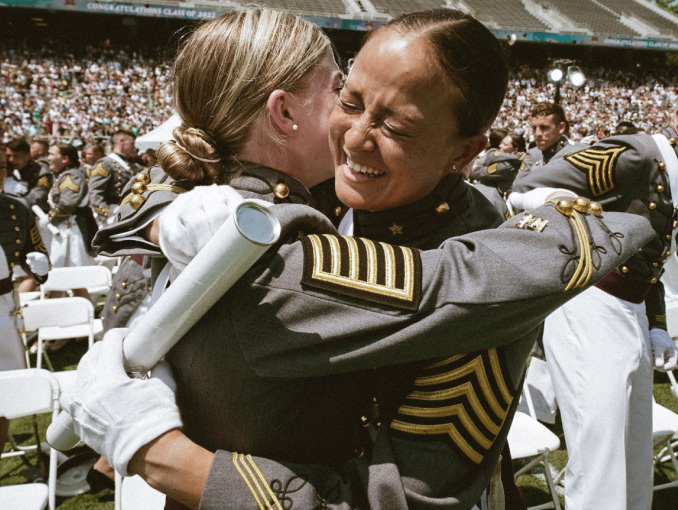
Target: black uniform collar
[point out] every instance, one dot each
(554, 149)
(409, 223)
(271, 184)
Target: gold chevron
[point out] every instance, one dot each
(475, 406)
(600, 165)
(36, 240)
(68, 183)
(371, 263)
(256, 482)
(44, 182)
(100, 170)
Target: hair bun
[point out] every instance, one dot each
(192, 157)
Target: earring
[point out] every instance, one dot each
(454, 167)
(294, 127)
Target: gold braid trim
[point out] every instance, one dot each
(584, 270)
(156, 187)
(256, 482)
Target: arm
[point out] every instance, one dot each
(38, 193)
(72, 191)
(655, 307)
(98, 182)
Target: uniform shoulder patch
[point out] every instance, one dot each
(100, 170)
(463, 400)
(599, 164)
(372, 271)
(68, 183)
(492, 168)
(44, 182)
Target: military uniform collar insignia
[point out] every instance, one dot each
(554, 149)
(408, 224)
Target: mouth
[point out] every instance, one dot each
(363, 169)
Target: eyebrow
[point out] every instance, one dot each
(389, 112)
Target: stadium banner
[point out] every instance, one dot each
(205, 13)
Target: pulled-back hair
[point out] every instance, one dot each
(222, 78)
(66, 149)
(468, 54)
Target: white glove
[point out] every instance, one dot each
(38, 262)
(114, 414)
(20, 189)
(43, 222)
(192, 219)
(536, 197)
(665, 350)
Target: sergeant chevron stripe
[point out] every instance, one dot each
(68, 183)
(256, 482)
(599, 164)
(36, 240)
(377, 272)
(463, 400)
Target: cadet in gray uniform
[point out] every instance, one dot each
(549, 126)
(598, 347)
(494, 176)
(110, 175)
(26, 178)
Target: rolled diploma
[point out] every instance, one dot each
(235, 247)
(41, 215)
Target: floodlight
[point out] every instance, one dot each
(575, 76)
(556, 74)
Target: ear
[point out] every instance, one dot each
(469, 148)
(280, 112)
(561, 128)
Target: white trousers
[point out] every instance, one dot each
(68, 249)
(599, 356)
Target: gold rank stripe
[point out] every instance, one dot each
(44, 182)
(447, 403)
(492, 168)
(599, 165)
(156, 187)
(36, 240)
(68, 183)
(256, 482)
(660, 318)
(584, 270)
(100, 170)
(391, 274)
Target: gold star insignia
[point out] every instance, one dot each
(396, 229)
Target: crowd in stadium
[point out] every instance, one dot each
(53, 95)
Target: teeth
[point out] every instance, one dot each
(362, 169)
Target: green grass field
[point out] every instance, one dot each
(19, 470)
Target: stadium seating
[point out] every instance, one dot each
(508, 14)
(636, 9)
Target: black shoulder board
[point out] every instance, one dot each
(371, 271)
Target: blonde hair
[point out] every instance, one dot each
(222, 79)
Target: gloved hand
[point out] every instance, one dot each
(43, 222)
(536, 197)
(38, 262)
(113, 413)
(192, 219)
(20, 189)
(664, 349)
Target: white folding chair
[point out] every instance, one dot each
(529, 439)
(56, 319)
(133, 493)
(96, 279)
(665, 434)
(26, 392)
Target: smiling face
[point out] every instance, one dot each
(506, 146)
(394, 134)
(57, 161)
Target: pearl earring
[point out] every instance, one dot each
(294, 127)
(454, 167)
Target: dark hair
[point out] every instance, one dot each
(123, 131)
(468, 54)
(19, 145)
(97, 149)
(625, 128)
(496, 136)
(546, 109)
(66, 149)
(42, 143)
(518, 142)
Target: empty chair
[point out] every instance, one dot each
(26, 392)
(96, 279)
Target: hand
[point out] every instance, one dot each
(113, 413)
(191, 220)
(664, 349)
(20, 189)
(536, 197)
(38, 262)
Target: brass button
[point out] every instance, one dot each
(139, 188)
(12, 264)
(660, 188)
(652, 206)
(655, 264)
(565, 206)
(115, 309)
(654, 280)
(16, 253)
(596, 209)
(142, 177)
(661, 165)
(11, 206)
(13, 216)
(17, 229)
(364, 421)
(337, 210)
(123, 285)
(668, 237)
(672, 141)
(136, 201)
(18, 241)
(281, 190)
(581, 204)
(442, 207)
(118, 296)
(624, 269)
(668, 254)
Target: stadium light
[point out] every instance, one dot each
(575, 76)
(556, 74)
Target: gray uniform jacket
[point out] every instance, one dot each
(19, 235)
(494, 176)
(536, 159)
(106, 182)
(624, 173)
(38, 180)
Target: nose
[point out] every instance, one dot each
(359, 137)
